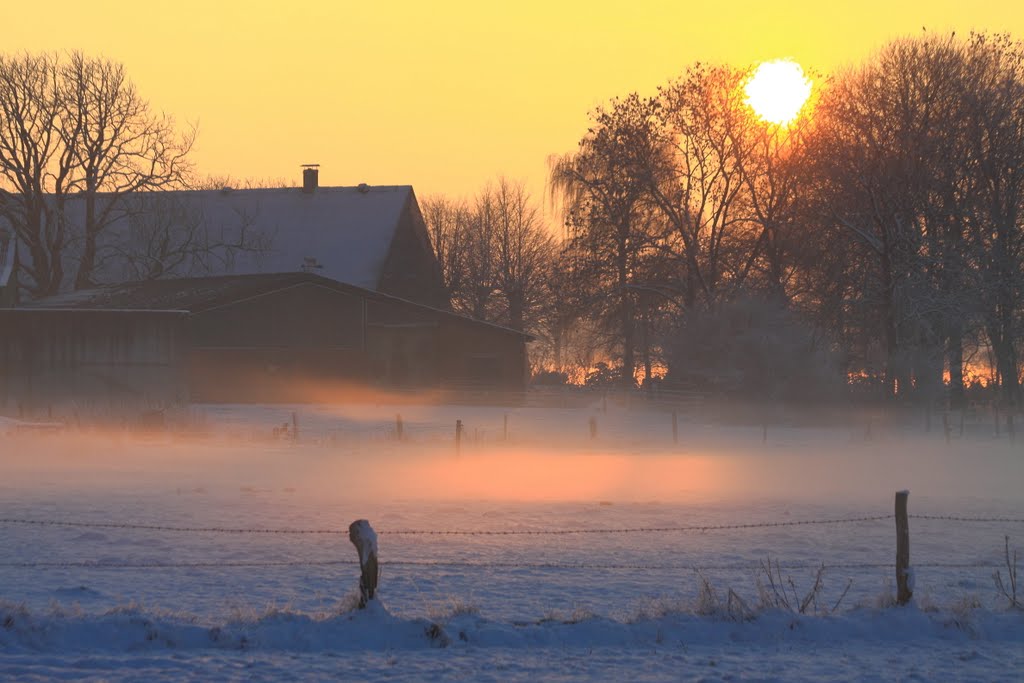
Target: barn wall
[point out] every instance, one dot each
(416, 346)
(481, 355)
(89, 361)
(286, 346)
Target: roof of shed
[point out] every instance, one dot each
(205, 293)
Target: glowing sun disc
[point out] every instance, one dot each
(777, 90)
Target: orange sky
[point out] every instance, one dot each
(443, 95)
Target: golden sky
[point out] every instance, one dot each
(443, 95)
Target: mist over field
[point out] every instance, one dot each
(350, 453)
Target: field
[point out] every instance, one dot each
(128, 557)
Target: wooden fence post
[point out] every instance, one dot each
(504, 430)
(399, 427)
(675, 427)
(904, 587)
(458, 436)
(593, 427)
(364, 539)
(295, 426)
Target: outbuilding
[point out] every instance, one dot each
(274, 338)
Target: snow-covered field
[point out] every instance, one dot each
(129, 603)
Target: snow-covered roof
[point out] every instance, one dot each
(342, 233)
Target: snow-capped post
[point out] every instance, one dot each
(398, 426)
(364, 538)
(675, 427)
(904, 576)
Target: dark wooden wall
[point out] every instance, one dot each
(90, 361)
(281, 347)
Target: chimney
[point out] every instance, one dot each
(310, 178)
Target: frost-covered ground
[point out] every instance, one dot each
(639, 605)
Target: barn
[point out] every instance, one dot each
(268, 338)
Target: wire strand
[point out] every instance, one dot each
(482, 565)
(442, 532)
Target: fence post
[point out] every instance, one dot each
(295, 426)
(675, 427)
(458, 436)
(593, 427)
(504, 429)
(364, 539)
(945, 425)
(398, 426)
(904, 589)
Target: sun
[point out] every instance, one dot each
(777, 91)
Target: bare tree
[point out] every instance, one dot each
(993, 102)
(118, 145)
(525, 251)
(608, 217)
(698, 184)
(448, 223)
(885, 152)
(75, 139)
(34, 165)
(495, 253)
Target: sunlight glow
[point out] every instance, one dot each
(777, 91)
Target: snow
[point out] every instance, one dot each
(637, 605)
(346, 231)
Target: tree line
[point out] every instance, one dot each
(875, 242)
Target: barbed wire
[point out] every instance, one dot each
(161, 527)
(955, 518)
(482, 565)
(444, 532)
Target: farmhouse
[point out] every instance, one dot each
(284, 337)
(368, 236)
(254, 295)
